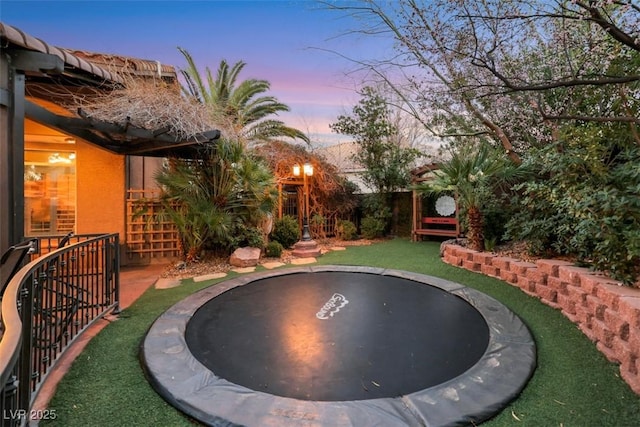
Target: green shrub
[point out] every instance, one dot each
(247, 236)
(495, 217)
(254, 237)
(490, 244)
(372, 227)
(346, 230)
(274, 249)
(226, 186)
(584, 203)
(286, 231)
(376, 206)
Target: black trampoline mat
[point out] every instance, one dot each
(337, 336)
(256, 349)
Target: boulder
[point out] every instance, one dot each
(245, 257)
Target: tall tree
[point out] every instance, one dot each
(241, 108)
(386, 163)
(510, 69)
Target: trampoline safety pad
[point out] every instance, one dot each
(338, 346)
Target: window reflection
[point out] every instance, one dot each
(49, 192)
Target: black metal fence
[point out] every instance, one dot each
(47, 304)
(46, 244)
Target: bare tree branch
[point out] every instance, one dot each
(591, 118)
(614, 31)
(595, 15)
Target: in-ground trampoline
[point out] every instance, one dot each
(338, 346)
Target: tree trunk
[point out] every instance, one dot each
(192, 255)
(475, 223)
(497, 131)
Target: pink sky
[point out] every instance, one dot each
(284, 42)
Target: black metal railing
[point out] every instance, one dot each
(49, 243)
(48, 304)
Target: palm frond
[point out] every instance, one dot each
(268, 129)
(195, 86)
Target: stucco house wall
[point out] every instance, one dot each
(100, 191)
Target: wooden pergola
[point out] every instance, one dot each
(325, 192)
(426, 220)
(35, 78)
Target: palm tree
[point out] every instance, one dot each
(239, 107)
(473, 173)
(214, 198)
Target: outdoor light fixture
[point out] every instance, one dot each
(306, 170)
(306, 247)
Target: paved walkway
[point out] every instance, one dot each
(133, 282)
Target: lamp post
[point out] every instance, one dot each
(306, 247)
(306, 170)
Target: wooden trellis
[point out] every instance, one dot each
(147, 237)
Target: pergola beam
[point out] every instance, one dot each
(126, 140)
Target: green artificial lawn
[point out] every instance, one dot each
(573, 385)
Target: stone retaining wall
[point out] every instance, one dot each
(604, 310)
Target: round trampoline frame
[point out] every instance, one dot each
(476, 395)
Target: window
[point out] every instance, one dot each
(49, 192)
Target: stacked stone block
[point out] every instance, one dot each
(604, 310)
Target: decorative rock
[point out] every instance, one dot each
(272, 265)
(338, 248)
(209, 277)
(244, 269)
(302, 261)
(306, 249)
(167, 283)
(245, 257)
